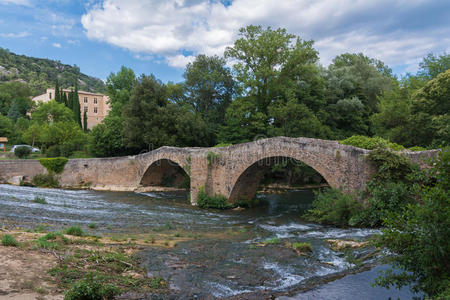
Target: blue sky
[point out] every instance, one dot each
(160, 37)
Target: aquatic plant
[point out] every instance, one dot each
(206, 201)
(40, 200)
(302, 247)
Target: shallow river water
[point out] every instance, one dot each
(236, 265)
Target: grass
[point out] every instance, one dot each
(74, 230)
(273, 241)
(92, 226)
(40, 200)
(52, 240)
(9, 241)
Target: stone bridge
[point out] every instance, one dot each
(234, 171)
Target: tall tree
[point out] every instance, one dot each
(57, 92)
(76, 105)
(85, 122)
(209, 88)
(151, 121)
(269, 62)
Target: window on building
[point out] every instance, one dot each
(85, 100)
(50, 96)
(86, 109)
(95, 110)
(95, 100)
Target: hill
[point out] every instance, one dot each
(41, 73)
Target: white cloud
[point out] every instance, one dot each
(56, 45)
(16, 2)
(396, 32)
(15, 35)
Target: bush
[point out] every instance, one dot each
(54, 164)
(74, 230)
(91, 288)
(22, 151)
(332, 206)
(45, 180)
(272, 241)
(216, 201)
(53, 151)
(371, 143)
(9, 241)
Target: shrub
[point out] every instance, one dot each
(9, 241)
(370, 143)
(52, 240)
(92, 225)
(54, 164)
(53, 151)
(390, 165)
(40, 200)
(74, 230)
(216, 201)
(332, 206)
(91, 288)
(212, 157)
(417, 148)
(45, 180)
(22, 151)
(302, 247)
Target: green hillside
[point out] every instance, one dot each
(41, 73)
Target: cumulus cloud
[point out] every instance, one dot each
(56, 45)
(397, 32)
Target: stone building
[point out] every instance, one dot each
(96, 105)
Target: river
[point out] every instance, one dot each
(236, 265)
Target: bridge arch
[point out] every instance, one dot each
(249, 175)
(166, 172)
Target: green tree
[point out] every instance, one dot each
(272, 61)
(432, 65)
(243, 122)
(209, 88)
(106, 139)
(57, 92)
(6, 126)
(19, 108)
(118, 88)
(295, 119)
(11, 91)
(354, 76)
(430, 110)
(52, 112)
(150, 121)
(76, 105)
(85, 122)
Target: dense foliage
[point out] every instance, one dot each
(419, 237)
(54, 165)
(41, 74)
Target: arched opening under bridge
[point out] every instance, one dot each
(165, 173)
(274, 173)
